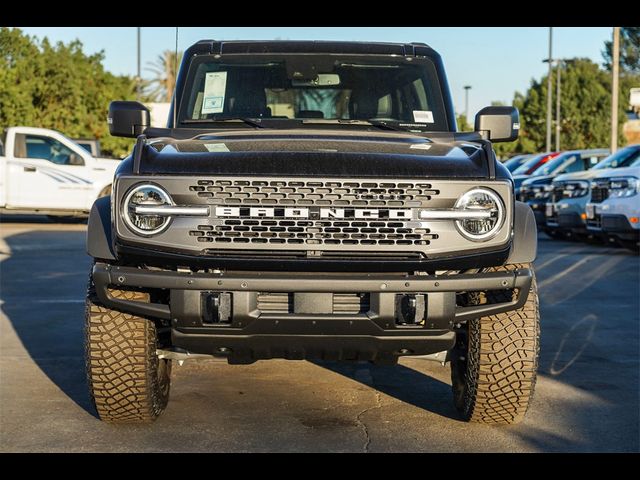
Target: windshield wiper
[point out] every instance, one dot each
(246, 121)
(374, 123)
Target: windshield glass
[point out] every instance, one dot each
(526, 166)
(622, 158)
(314, 88)
(560, 163)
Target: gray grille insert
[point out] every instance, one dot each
(302, 193)
(313, 232)
(343, 303)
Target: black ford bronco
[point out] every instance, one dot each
(312, 200)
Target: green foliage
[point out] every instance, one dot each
(59, 87)
(585, 109)
(463, 125)
(165, 72)
(629, 50)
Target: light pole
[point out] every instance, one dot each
(466, 102)
(558, 96)
(614, 89)
(138, 78)
(558, 62)
(549, 100)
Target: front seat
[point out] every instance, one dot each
(363, 105)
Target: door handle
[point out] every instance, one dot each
(29, 169)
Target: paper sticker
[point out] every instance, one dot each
(215, 84)
(421, 146)
(423, 116)
(216, 147)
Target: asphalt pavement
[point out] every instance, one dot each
(587, 396)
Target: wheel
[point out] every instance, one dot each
(494, 363)
(127, 381)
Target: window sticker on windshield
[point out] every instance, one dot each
(216, 147)
(423, 116)
(215, 84)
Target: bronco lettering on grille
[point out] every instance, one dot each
(314, 213)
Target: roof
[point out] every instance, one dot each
(310, 46)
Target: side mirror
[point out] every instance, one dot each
(498, 124)
(75, 159)
(128, 119)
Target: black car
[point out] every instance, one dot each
(312, 200)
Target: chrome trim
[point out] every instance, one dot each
(171, 210)
(455, 214)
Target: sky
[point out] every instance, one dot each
(495, 61)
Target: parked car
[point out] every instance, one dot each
(614, 208)
(535, 190)
(514, 162)
(570, 193)
(91, 145)
(525, 170)
(44, 172)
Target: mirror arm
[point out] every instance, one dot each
(137, 153)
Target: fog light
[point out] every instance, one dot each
(410, 309)
(216, 307)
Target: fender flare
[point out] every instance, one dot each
(524, 245)
(99, 235)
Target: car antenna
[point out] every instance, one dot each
(175, 81)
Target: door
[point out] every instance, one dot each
(47, 174)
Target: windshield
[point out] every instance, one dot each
(622, 158)
(515, 162)
(560, 163)
(314, 89)
(526, 166)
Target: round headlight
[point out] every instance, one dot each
(483, 227)
(148, 196)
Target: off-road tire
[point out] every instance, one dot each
(127, 381)
(494, 363)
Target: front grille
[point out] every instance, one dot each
(279, 229)
(595, 222)
(302, 193)
(599, 192)
(312, 232)
(525, 196)
(557, 193)
(343, 303)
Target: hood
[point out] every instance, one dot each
(518, 179)
(618, 172)
(539, 180)
(315, 153)
(584, 175)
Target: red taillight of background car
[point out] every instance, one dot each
(542, 161)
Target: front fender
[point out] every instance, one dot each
(524, 246)
(99, 236)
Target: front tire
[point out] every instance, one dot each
(494, 363)
(127, 381)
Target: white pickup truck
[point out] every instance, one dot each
(42, 171)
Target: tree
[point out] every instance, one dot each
(165, 70)
(59, 87)
(463, 124)
(629, 50)
(585, 109)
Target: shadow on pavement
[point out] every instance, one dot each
(42, 288)
(402, 383)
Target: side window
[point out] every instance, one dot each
(50, 149)
(574, 164)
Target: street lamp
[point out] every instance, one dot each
(466, 102)
(558, 62)
(138, 78)
(549, 101)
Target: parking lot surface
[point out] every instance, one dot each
(586, 398)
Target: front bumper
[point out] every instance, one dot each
(251, 334)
